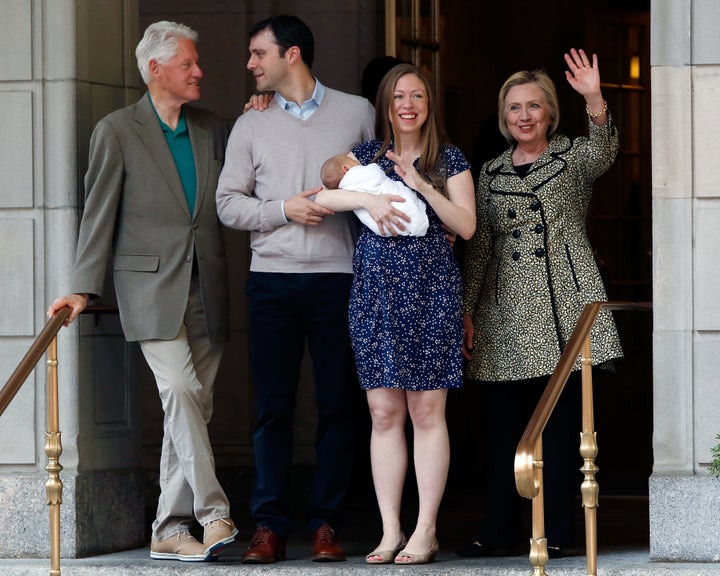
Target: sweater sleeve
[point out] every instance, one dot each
(237, 206)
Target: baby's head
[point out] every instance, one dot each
(334, 169)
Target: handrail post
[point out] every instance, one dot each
(528, 456)
(46, 342)
(538, 542)
(588, 450)
(53, 450)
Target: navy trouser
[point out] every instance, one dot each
(286, 312)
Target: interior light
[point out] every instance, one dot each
(635, 67)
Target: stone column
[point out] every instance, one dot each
(64, 64)
(684, 498)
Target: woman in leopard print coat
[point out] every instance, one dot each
(528, 273)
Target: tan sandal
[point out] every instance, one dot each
(386, 556)
(426, 558)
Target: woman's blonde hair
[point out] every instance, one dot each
(542, 80)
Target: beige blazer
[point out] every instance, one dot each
(136, 217)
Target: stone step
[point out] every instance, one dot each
(619, 562)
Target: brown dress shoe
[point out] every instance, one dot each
(265, 547)
(325, 547)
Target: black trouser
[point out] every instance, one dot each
(506, 408)
(286, 312)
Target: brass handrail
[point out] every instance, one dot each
(45, 341)
(31, 358)
(528, 456)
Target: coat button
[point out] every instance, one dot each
(511, 213)
(188, 259)
(539, 229)
(535, 206)
(516, 233)
(539, 252)
(516, 256)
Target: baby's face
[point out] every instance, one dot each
(350, 163)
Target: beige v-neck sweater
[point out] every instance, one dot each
(273, 155)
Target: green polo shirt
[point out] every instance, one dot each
(178, 141)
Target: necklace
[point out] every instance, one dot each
(528, 157)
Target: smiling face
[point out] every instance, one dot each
(269, 68)
(409, 108)
(178, 79)
(527, 114)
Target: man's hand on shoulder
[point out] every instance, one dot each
(301, 209)
(258, 102)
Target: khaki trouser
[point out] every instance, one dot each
(185, 370)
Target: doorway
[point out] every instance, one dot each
(470, 48)
(477, 47)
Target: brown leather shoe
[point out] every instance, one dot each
(325, 547)
(265, 547)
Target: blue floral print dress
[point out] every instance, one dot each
(406, 299)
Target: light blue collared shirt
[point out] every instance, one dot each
(303, 112)
(307, 108)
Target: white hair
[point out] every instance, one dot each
(160, 43)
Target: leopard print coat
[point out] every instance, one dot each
(529, 269)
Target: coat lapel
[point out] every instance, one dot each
(505, 180)
(548, 167)
(153, 139)
(199, 139)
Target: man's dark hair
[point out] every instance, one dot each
(289, 31)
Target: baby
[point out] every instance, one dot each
(347, 173)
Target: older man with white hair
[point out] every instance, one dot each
(150, 213)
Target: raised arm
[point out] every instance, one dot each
(583, 75)
(457, 211)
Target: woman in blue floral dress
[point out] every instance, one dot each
(406, 307)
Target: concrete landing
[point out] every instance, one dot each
(620, 562)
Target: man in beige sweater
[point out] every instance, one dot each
(299, 282)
